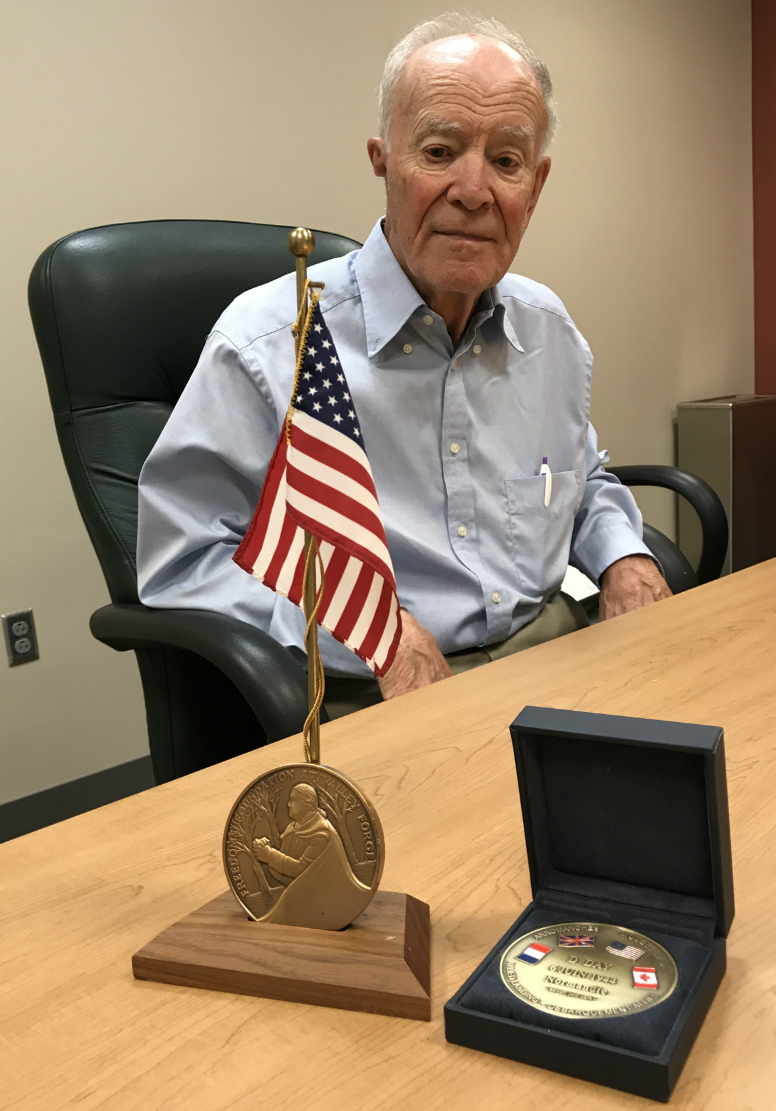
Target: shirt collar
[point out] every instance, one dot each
(389, 298)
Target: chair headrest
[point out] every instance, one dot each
(122, 312)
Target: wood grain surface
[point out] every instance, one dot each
(79, 898)
(379, 964)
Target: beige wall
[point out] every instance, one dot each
(194, 108)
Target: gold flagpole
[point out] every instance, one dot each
(301, 243)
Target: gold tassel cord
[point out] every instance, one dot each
(301, 329)
(313, 554)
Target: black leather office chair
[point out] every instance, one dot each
(678, 571)
(121, 314)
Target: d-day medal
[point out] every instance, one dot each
(588, 970)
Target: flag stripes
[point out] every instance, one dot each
(319, 480)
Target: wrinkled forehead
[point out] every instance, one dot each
(472, 76)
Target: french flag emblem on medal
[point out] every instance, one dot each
(535, 953)
(644, 978)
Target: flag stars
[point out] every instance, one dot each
(325, 381)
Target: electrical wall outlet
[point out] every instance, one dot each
(21, 643)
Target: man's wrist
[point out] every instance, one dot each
(642, 556)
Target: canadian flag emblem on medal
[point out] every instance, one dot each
(644, 978)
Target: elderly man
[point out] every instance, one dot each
(465, 380)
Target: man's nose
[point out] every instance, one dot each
(470, 185)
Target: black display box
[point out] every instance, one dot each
(626, 821)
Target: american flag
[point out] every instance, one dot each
(620, 949)
(321, 482)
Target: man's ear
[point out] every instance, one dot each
(375, 148)
(542, 174)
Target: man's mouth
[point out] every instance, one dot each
(465, 236)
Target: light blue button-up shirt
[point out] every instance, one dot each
(455, 438)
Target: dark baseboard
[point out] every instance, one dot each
(68, 799)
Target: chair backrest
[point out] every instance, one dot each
(121, 314)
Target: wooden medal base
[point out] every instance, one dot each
(380, 963)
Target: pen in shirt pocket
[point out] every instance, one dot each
(545, 470)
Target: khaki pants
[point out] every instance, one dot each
(561, 615)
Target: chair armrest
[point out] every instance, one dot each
(273, 684)
(704, 500)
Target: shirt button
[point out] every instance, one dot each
(407, 348)
(496, 597)
(477, 349)
(462, 530)
(428, 319)
(455, 448)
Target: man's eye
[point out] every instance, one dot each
(507, 161)
(436, 152)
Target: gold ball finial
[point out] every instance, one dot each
(301, 242)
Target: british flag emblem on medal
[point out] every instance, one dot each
(586, 940)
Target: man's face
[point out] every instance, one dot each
(463, 170)
(298, 806)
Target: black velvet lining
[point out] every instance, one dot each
(618, 813)
(638, 915)
(647, 1032)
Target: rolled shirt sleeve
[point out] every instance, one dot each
(607, 526)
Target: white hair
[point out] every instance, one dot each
(450, 25)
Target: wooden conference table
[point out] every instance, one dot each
(80, 897)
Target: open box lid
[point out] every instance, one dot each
(626, 812)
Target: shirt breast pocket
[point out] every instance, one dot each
(541, 535)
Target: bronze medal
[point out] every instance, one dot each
(588, 970)
(303, 847)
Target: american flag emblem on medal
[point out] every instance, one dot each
(586, 940)
(620, 949)
(535, 953)
(644, 978)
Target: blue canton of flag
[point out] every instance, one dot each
(323, 392)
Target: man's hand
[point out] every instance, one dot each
(261, 847)
(419, 661)
(630, 583)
